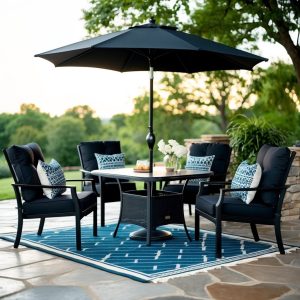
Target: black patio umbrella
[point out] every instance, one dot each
(152, 47)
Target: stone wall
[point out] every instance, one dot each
(291, 204)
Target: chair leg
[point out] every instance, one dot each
(190, 209)
(218, 238)
(102, 212)
(19, 232)
(197, 227)
(95, 233)
(78, 233)
(41, 226)
(279, 237)
(254, 232)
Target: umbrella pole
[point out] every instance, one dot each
(150, 136)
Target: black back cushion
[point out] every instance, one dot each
(87, 152)
(275, 163)
(221, 161)
(22, 160)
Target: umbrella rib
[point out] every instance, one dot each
(133, 51)
(74, 57)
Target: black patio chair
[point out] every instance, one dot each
(108, 188)
(266, 205)
(32, 203)
(222, 153)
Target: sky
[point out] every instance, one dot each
(29, 27)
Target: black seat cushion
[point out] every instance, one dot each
(190, 192)
(275, 164)
(23, 161)
(233, 206)
(61, 204)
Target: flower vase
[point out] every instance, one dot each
(178, 164)
(170, 163)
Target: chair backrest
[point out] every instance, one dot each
(22, 161)
(87, 150)
(276, 163)
(221, 161)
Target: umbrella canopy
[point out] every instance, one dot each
(152, 47)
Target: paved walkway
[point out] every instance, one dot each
(29, 274)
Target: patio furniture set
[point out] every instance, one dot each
(257, 202)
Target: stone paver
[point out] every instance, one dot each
(29, 274)
(193, 285)
(51, 292)
(224, 274)
(260, 291)
(9, 286)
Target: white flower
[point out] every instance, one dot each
(180, 151)
(173, 148)
(161, 146)
(173, 143)
(168, 149)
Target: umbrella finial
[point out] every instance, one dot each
(152, 20)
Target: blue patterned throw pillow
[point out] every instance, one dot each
(110, 161)
(51, 174)
(246, 176)
(200, 163)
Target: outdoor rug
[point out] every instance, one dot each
(131, 258)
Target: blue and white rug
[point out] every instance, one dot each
(162, 260)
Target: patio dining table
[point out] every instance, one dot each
(151, 208)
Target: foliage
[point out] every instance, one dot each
(117, 14)
(278, 98)
(235, 22)
(64, 134)
(4, 169)
(247, 135)
(215, 97)
(26, 134)
(5, 119)
(27, 126)
(277, 89)
(167, 125)
(88, 115)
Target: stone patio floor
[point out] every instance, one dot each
(29, 274)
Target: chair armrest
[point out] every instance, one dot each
(223, 191)
(207, 183)
(85, 171)
(80, 180)
(256, 189)
(35, 186)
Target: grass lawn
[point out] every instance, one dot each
(7, 192)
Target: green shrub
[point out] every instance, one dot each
(4, 169)
(247, 135)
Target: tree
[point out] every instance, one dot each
(26, 126)
(277, 89)
(279, 98)
(234, 22)
(27, 134)
(167, 125)
(64, 134)
(88, 115)
(215, 97)
(5, 119)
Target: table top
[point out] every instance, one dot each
(158, 174)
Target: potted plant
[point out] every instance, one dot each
(247, 135)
